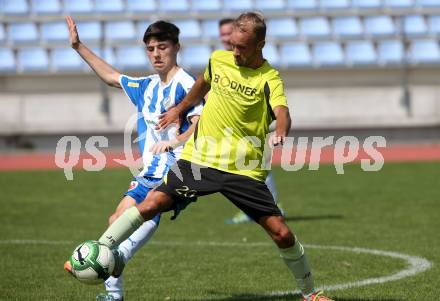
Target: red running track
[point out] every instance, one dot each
(397, 153)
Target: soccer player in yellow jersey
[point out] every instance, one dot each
(226, 152)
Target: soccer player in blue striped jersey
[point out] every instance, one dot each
(152, 96)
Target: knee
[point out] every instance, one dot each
(283, 237)
(149, 208)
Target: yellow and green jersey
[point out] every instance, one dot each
(231, 133)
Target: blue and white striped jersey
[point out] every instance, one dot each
(152, 98)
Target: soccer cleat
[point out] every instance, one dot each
(119, 263)
(68, 267)
(242, 217)
(318, 296)
(281, 209)
(239, 218)
(107, 297)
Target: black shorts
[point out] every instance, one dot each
(251, 196)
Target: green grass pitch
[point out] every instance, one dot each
(396, 209)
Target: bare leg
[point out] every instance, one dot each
(291, 251)
(277, 229)
(123, 205)
(134, 217)
(155, 203)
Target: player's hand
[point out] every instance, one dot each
(171, 116)
(73, 33)
(276, 140)
(164, 146)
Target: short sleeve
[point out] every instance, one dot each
(207, 75)
(274, 90)
(134, 87)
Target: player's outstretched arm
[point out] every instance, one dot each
(169, 145)
(106, 72)
(193, 98)
(282, 125)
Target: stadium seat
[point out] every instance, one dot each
(46, 6)
(295, 54)
(315, 26)
(273, 5)
(335, 4)
(189, 29)
(361, 53)
(390, 52)
(7, 60)
(302, 4)
(141, 27)
(399, 3)
(347, 27)
(141, 6)
(195, 56)
(206, 5)
(2, 34)
(107, 54)
(78, 6)
(429, 3)
(281, 28)
(120, 31)
(65, 59)
(210, 29)
(32, 59)
(131, 58)
(14, 7)
(89, 30)
(54, 32)
(22, 32)
(379, 26)
(415, 25)
(174, 6)
(328, 54)
(434, 24)
(424, 51)
(367, 4)
(270, 53)
(109, 6)
(241, 5)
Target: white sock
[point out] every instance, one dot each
(115, 286)
(297, 263)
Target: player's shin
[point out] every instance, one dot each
(122, 228)
(139, 238)
(113, 285)
(297, 263)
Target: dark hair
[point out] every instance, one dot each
(163, 31)
(225, 21)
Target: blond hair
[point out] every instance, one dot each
(256, 21)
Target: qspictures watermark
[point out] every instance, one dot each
(294, 151)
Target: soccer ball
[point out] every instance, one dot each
(92, 262)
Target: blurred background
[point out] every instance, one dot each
(351, 67)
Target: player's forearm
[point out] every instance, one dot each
(106, 72)
(283, 122)
(195, 95)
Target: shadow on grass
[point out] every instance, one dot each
(313, 217)
(253, 297)
(367, 299)
(287, 297)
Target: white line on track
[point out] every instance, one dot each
(415, 264)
